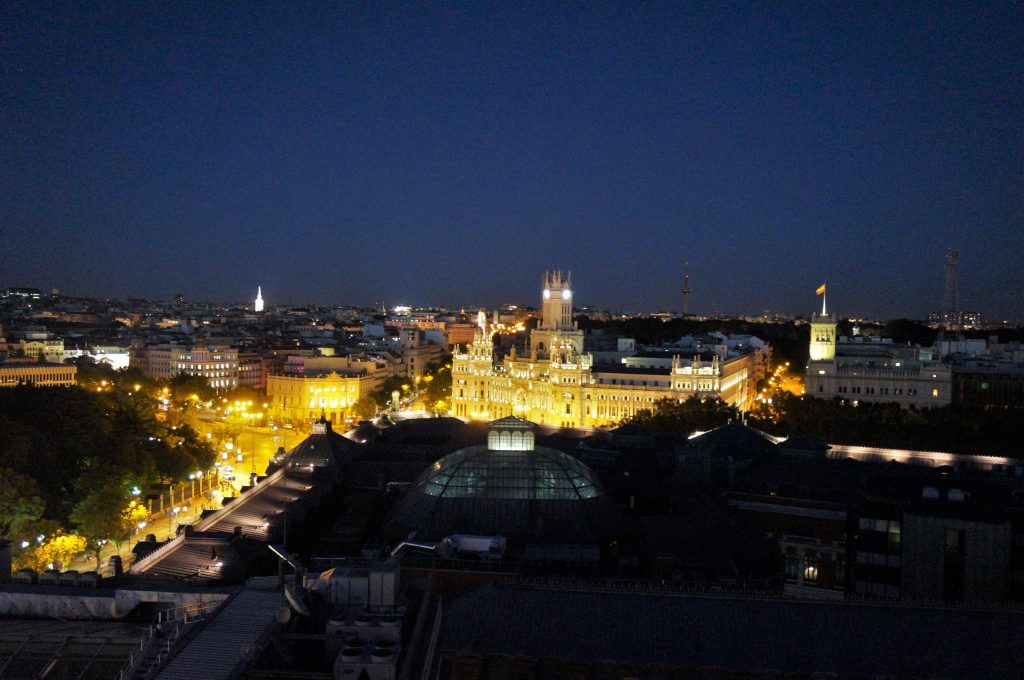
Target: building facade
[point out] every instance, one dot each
(302, 398)
(218, 364)
(13, 373)
(557, 383)
(41, 345)
(873, 370)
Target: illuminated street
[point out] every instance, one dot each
(253, 449)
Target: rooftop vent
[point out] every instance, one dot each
(957, 495)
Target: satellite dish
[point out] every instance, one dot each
(295, 600)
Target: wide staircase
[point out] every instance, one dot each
(221, 648)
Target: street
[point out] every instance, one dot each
(256, 446)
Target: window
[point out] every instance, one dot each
(811, 568)
(792, 563)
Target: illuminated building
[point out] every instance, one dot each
(41, 343)
(252, 369)
(302, 397)
(14, 372)
(218, 364)
(305, 387)
(558, 384)
(416, 353)
(258, 305)
(113, 356)
(876, 370)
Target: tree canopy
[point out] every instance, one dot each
(686, 417)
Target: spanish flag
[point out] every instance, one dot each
(821, 290)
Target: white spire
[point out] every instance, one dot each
(259, 299)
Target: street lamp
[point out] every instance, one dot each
(171, 517)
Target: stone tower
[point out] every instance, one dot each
(823, 336)
(556, 325)
(557, 302)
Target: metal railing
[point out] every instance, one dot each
(180, 617)
(158, 554)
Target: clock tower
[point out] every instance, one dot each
(556, 324)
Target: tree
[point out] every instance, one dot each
(365, 408)
(91, 374)
(57, 546)
(134, 516)
(20, 504)
(184, 385)
(394, 383)
(669, 415)
(437, 391)
(63, 548)
(98, 517)
(199, 452)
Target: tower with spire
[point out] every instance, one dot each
(823, 332)
(258, 305)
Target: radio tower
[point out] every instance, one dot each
(951, 312)
(686, 289)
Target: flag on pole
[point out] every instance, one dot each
(821, 290)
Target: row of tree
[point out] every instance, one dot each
(75, 461)
(432, 391)
(957, 428)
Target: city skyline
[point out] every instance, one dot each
(437, 155)
(470, 305)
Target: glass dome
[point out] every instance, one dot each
(482, 473)
(541, 495)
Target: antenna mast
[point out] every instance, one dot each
(686, 289)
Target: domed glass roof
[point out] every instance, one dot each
(541, 495)
(481, 473)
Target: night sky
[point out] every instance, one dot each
(450, 154)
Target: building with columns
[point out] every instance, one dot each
(556, 383)
(14, 372)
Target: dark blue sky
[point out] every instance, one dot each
(449, 154)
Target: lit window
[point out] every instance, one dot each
(810, 569)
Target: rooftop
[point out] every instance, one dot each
(786, 636)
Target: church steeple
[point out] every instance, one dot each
(258, 306)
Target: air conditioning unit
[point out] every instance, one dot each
(377, 660)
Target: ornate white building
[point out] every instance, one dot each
(258, 305)
(559, 384)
